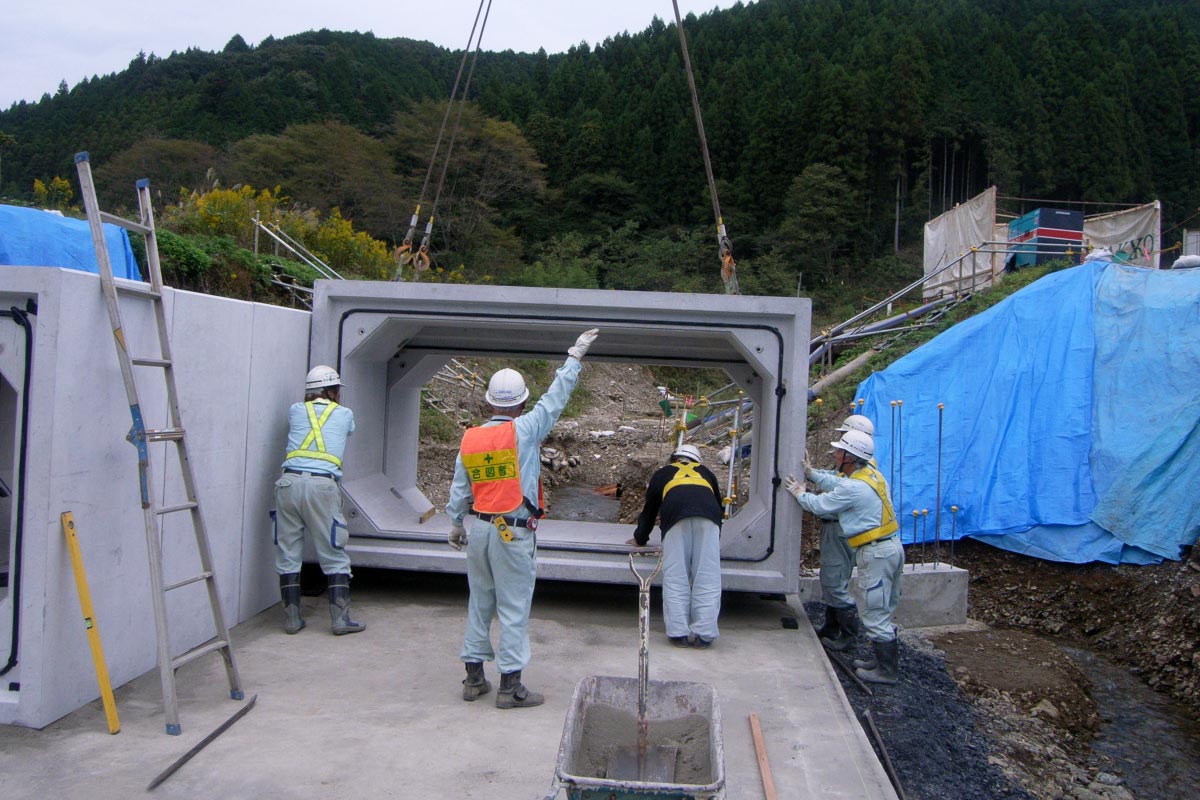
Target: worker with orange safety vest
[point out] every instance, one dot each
(687, 496)
(308, 500)
(857, 494)
(497, 476)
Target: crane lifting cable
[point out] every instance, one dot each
(724, 245)
(423, 250)
(404, 253)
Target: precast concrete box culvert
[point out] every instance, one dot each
(387, 340)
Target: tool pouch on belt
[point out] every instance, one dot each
(502, 528)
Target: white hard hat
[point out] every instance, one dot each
(857, 422)
(858, 444)
(507, 389)
(321, 376)
(687, 451)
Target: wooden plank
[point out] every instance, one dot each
(764, 766)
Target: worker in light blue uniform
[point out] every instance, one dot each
(859, 498)
(501, 547)
(842, 625)
(687, 497)
(309, 502)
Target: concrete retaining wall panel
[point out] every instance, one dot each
(79, 461)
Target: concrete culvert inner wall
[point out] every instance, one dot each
(389, 339)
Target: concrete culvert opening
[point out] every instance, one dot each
(397, 345)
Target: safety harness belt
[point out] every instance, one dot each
(685, 475)
(870, 476)
(314, 438)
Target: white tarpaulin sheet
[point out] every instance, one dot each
(1133, 236)
(955, 232)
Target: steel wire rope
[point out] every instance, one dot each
(723, 243)
(412, 225)
(424, 248)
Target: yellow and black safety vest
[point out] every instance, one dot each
(313, 445)
(871, 476)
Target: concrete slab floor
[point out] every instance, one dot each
(379, 714)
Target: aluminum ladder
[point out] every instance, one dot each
(140, 437)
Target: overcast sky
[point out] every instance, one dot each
(71, 39)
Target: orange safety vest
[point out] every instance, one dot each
(489, 455)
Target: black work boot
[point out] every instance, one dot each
(887, 663)
(847, 629)
(830, 629)
(866, 663)
(475, 685)
(289, 590)
(513, 693)
(339, 605)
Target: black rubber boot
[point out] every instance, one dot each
(847, 629)
(830, 629)
(339, 606)
(513, 693)
(887, 663)
(475, 685)
(289, 590)
(866, 663)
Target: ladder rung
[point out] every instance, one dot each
(143, 290)
(164, 435)
(196, 652)
(151, 362)
(173, 509)
(127, 224)
(203, 576)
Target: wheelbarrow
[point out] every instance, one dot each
(627, 738)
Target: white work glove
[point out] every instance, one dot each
(580, 348)
(457, 537)
(808, 468)
(794, 487)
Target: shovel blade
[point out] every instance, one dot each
(659, 766)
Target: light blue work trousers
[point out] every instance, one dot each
(837, 563)
(309, 504)
(880, 565)
(691, 578)
(501, 576)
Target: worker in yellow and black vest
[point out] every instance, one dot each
(497, 476)
(857, 494)
(687, 496)
(309, 501)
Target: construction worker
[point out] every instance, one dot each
(687, 495)
(497, 477)
(842, 625)
(308, 500)
(858, 494)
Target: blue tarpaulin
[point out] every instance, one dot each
(33, 238)
(1069, 427)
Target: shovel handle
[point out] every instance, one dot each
(644, 580)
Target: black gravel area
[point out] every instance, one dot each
(928, 728)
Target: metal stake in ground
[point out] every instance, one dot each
(937, 509)
(953, 527)
(924, 532)
(892, 473)
(915, 515)
(900, 449)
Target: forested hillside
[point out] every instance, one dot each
(823, 117)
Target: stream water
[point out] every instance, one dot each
(582, 503)
(1145, 738)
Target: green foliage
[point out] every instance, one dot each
(437, 426)
(821, 117)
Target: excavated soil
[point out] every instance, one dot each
(995, 710)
